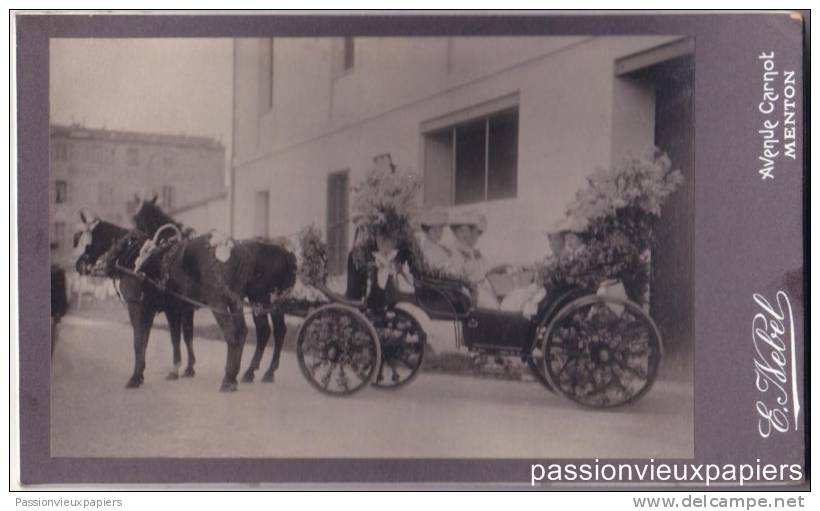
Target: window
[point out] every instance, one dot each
(349, 53)
(261, 208)
(169, 159)
(60, 152)
(58, 235)
(96, 154)
(266, 75)
(105, 194)
(472, 161)
(60, 191)
(168, 197)
(132, 156)
(344, 56)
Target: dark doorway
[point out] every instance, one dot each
(671, 284)
(337, 217)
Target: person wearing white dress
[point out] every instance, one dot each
(564, 242)
(467, 260)
(436, 254)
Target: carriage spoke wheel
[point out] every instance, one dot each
(601, 352)
(338, 350)
(402, 343)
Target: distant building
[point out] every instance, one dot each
(102, 170)
(508, 126)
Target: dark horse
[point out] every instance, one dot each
(205, 271)
(96, 240)
(273, 270)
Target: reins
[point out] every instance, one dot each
(142, 277)
(176, 237)
(131, 248)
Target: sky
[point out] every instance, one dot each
(171, 86)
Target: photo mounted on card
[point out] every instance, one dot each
(549, 251)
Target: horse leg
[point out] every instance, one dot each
(141, 321)
(174, 325)
(260, 321)
(279, 331)
(188, 336)
(232, 322)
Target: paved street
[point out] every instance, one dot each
(437, 415)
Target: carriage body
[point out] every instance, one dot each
(591, 345)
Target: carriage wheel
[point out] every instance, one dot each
(601, 351)
(402, 343)
(338, 350)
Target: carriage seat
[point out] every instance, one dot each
(442, 298)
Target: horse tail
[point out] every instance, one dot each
(291, 269)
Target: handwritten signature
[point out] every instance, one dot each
(772, 329)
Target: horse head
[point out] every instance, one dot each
(94, 238)
(150, 217)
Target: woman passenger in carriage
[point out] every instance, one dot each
(467, 260)
(436, 254)
(564, 242)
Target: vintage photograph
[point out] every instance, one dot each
(372, 247)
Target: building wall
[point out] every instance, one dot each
(208, 215)
(574, 116)
(104, 169)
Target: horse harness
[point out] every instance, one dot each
(134, 252)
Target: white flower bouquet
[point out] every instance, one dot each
(614, 216)
(387, 198)
(642, 184)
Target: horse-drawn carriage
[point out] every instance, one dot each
(593, 346)
(583, 334)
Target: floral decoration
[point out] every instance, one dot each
(615, 216)
(387, 199)
(641, 183)
(312, 256)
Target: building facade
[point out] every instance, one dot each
(209, 214)
(101, 170)
(508, 126)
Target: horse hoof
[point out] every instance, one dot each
(133, 383)
(268, 378)
(189, 373)
(247, 377)
(172, 376)
(229, 387)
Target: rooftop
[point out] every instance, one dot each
(80, 132)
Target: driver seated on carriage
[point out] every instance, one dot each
(379, 259)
